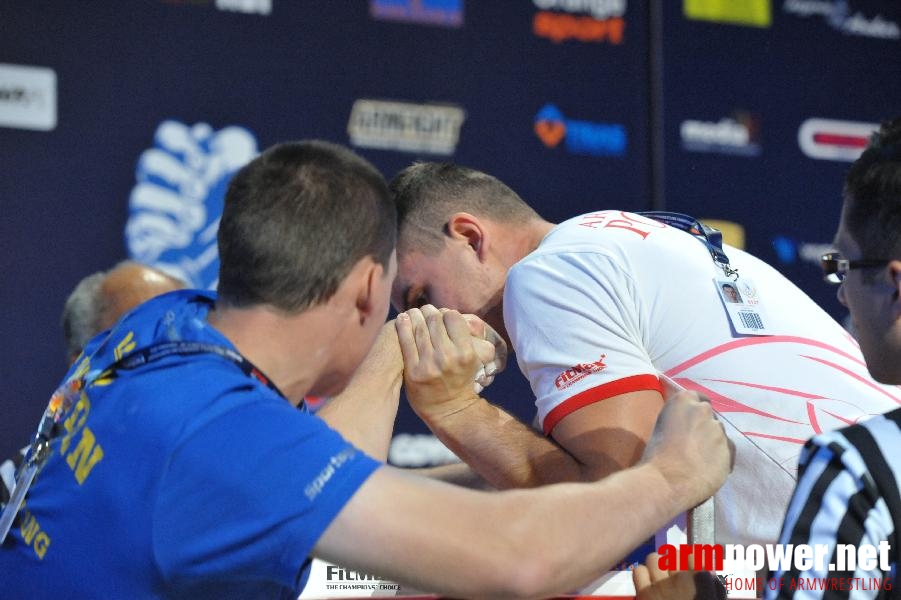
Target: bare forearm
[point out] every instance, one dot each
(503, 450)
(520, 543)
(457, 474)
(593, 525)
(365, 411)
(365, 415)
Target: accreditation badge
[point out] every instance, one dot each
(743, 305)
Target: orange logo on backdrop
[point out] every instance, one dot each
(559, 27)
(550, 132)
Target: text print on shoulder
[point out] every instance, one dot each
(606, 219)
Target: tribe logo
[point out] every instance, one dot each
(834, 140)
(579, 137)
(603, 22)
(837, 15)
(175, 207)
(443, 13)
(579, 372)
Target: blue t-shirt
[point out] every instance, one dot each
(182, 477)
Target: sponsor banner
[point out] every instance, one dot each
(328, 580)
(406, 127)
(248, 7)
(821, 567)
(738, 136)
(829, 139)
(790, 251)
(175, 206)
(837, 15)
(27, 97)
(599, 21)
(443, 13)
(579, 137)
(753, 13)
(419, 450)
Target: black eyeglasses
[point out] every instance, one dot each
(835, 268)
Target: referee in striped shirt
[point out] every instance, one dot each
(848, 486)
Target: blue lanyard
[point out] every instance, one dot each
(709, 236)
(64, 398)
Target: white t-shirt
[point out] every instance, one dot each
(610, 300)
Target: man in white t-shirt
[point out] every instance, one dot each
(608, 312)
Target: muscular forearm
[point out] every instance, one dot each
(365, 411)
(503, 450)
(456, 473)
(520, 543)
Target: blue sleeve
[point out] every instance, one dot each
(249, 493)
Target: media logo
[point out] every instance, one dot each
(443, 13)
(27, 97)
(827, 139)
(837, 14)
(753, 13)
(175, 206)
(388, 125)
(580, 20)
(248, 7)
(579, 137)
(579, 372)
(738, 136)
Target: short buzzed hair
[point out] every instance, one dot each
(428, 193)
(873, 195)
(296, 220)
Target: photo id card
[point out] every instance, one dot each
(741, 298)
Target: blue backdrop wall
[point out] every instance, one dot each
(120, 123)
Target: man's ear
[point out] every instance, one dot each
(369, 273)
(464, 226)
(894, 269)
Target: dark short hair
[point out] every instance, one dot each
(296, 220)
(873, 194)
(428, 193)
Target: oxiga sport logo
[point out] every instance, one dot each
(579, 137)
(175, 206)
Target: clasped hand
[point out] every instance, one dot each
(444, 353)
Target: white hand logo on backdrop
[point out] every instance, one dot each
(175, 207)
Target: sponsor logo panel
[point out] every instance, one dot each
(27, 97)
(738, 135)
(752, 13)
(579, 372)
(579, 137)
(442, 13)
(406, 127)
(597, 21)
(829, 139)
(838, 15)
(248, 7)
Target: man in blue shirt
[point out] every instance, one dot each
(179, 464)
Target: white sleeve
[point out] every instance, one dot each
(576, 323)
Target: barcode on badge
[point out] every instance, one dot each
(751, 320)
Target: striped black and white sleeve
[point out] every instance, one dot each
(846, 497)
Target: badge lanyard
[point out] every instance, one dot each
(65, 396)
(709, 236)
